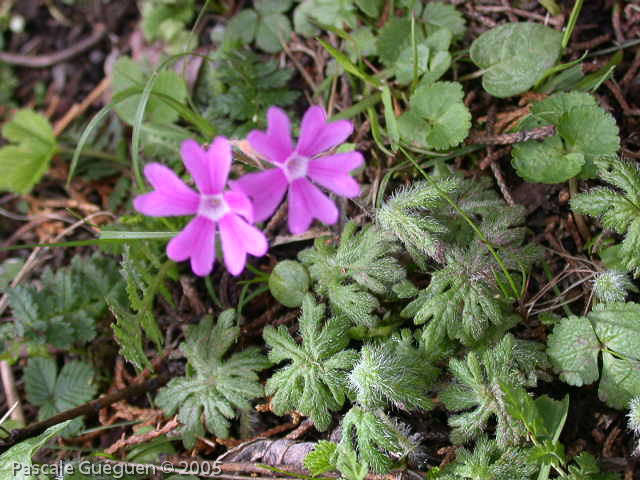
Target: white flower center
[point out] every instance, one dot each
(295, 167)
(213, 207)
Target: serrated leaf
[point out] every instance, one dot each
(288, 283)
(315, 382)
(370, 7)
(515, 56)
(215, 387)
(620, 380)
(74, 385)
(268, 7)
(439, 15)
(617, 210)
(319, 460)
(128, 335)
(618, 329)
(273, 30)
(585, 135)
(24, 163)
(445, 120)
(546, 161)
(21, 453)
(573, 349)
(127, 74)
(242, 27)
(591, 131)
(393, 38)
(40, 380)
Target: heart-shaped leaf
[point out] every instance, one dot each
(515, 56)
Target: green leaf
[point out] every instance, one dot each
(617, 328)
(315, 380)
(214, 387)
(273, 30)
(319, 460)
(546, 161)
(489, 461)
(618, 210)
(40, 379)
(393, 38)
(64, 310)
(443, 16)
(127, 74)
(515, 56)
(269, 7)
(390, 118)
(242, 27)
(25, 161)
(363, 262)
(438, 117)
(57, 393)
(477, 385)
(21, 453)
(370, 7)
(288, 283)
(586, 134)
(573, 349)
(620, 380)
(404, 66)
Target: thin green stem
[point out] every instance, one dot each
(94, 154)
(572, 23)
(466, 218)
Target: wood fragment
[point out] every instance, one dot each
(49, 59)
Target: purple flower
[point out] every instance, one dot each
(211, 206)
(295, 166)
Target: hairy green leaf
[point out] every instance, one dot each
(315, 381)
(515, 56)
(215, 386)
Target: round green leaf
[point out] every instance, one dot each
(515, 55)
(546, 161)
(446, 119)
(573, 349)
(289, 282)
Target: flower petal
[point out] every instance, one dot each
(317, 136)
(306, 202)
(170, 197)
(209, 168)
(197, 241)
(332, 172)
(265, 188)
(219, 154)
(240, 203)
(274, 144)
(161, 204)
(238, 238)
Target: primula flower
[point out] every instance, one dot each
(212, 206)
(297, 166)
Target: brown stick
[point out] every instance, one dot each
(44, 61)
(79, 108)
(538, 133)
(94, 406)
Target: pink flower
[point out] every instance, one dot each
(295, 167)
(212, 206)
